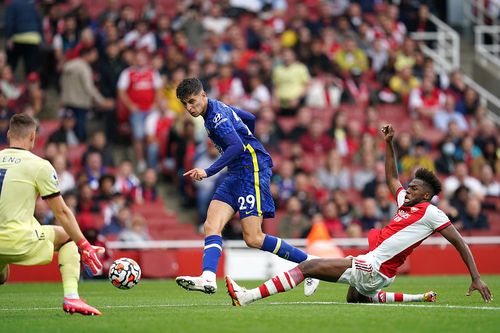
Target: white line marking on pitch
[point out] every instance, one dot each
(444, 306)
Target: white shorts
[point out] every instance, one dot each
(364, 277)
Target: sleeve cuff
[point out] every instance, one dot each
(209, 172)
(53, 195)
(398, 191)
(447, 224)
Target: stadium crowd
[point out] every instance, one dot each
(321, 77)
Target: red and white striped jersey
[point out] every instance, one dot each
(408, 228)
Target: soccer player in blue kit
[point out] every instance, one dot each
(245, 189)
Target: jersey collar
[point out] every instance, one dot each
(210, 106)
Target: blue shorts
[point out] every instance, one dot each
(138, 124)
(249, 193)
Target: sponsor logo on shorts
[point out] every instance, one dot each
(363, 265)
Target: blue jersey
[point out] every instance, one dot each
(222, 122)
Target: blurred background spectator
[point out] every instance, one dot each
(320, 76)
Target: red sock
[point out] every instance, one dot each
(387, 297)
(281, 282)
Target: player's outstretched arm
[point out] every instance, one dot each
(391, 170)
(234, 149)
(88, 252)
(452, 235)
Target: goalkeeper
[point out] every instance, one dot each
(23, 241)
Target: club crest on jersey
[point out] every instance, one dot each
(400, 215)
(413, 209)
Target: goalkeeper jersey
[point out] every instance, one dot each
(23, 177)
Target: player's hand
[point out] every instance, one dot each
(196, 174)
(483, 289)
(388, 132)
(88, 254)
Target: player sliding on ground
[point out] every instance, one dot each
(367, 274)
(245, 189)
(23, 241)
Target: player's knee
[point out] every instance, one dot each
(254, 240)
(307, 267)
(350, 298)
(353, 296)
(4, 275)
(211, 228)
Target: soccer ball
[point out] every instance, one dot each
(124, 273)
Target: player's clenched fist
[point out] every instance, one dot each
(388, 132)
(196, 174)
(88, 254)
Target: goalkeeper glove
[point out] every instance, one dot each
(88, 254)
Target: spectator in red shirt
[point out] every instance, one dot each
(157, 127)
(426, 100)
(331, 219)
(86, 202)
(315, 140)
(138, 89)
(141, 38)
(147, 191)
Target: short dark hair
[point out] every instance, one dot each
(86, 50)
(430, 179)
(21, 125)
(188, 87)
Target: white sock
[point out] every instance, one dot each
(72, 296)
(208, 275)
(255, 292)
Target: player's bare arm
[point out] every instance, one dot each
(391, 171)
(452, 235)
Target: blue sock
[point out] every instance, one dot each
(212, 253)
(283, 249)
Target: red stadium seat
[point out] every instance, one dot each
(75, 154)
(46, 128)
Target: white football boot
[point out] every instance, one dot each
(197, 283)
(310, 286)
(239, 295)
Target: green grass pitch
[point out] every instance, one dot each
(161, 306)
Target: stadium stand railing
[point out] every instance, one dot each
(489, 51)
(447, 57)
(480, 12)
(447, 41)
